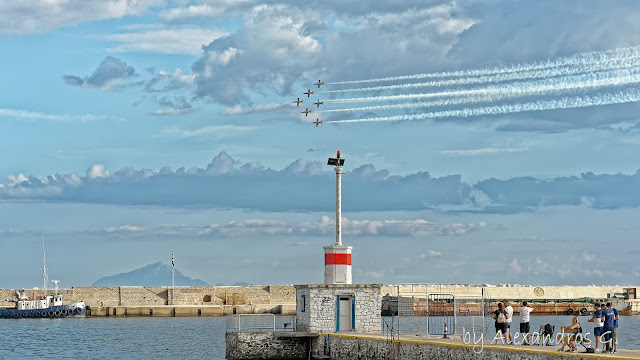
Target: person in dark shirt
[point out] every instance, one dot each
(501, 321)
(608, 318)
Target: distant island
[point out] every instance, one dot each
(156, 274)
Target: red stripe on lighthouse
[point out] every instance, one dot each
(337, 259)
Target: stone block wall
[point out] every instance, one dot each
(282, 294)
(320, 314)
(94, 296)
(266, 345)
(6, 294)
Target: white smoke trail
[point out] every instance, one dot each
(604, 68)
(481, 95)
(632, 95)
(589, 80)
(581, 59)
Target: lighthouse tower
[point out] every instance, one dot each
(337, 257)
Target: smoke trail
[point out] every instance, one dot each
(506, 94)
(632, 95)
(589, 80)
(580, 59)
(492, 79)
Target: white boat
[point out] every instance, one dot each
(45, 306)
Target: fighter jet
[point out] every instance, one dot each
(317, 122)
(319, 103)
(306, 112)
(319, 83)
(298, 102)
(308, 93)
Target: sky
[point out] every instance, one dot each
(486, 141)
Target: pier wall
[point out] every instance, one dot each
(268, 345)
(279, 299)
(512, 292)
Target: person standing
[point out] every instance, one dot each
(608, 318)
(615, 329)
(524, 311)
(501, 321)
(508, 310)
(597, 323)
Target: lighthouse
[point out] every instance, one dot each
(337, 257)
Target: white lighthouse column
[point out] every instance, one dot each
(337, 257)
(338, 205)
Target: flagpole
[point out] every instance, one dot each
(173, 284)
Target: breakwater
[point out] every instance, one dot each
(222, 300)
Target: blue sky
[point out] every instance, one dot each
(130, 128)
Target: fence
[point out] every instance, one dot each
(260, 323)
(425, 308)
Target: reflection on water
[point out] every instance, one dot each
(628, 329)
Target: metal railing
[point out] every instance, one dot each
(260, 323)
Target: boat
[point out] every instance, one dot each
(50, 306)
(45, 306)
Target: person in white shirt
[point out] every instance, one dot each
(524, 311)
(509, 312)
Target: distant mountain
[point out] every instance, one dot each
(157, 274)
(240, 283)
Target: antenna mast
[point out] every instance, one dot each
(44, 268)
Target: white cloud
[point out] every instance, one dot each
(16, 180)
(35, 16)
(482, 151)
(514, 267)
(434, 253)
(31, 115)
(216, 132)
(187, 40)
(193, 12)
(220, 58)
(173, 111)
(97, 171)
(323, 227)
(240, 110)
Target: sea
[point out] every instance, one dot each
(196, 337)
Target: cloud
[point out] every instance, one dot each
(482, 151)
(598, 191)
(33, 17)
(109, 75)
(31, 115)
(97, 171)
(202, 12)
(215, 132)
(323, 227)
(304, 41)
(240, 110)
(182, 40)
(434, 253)
(227, 183)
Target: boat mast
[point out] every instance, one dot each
(44, 269)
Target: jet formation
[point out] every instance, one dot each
(306, 112)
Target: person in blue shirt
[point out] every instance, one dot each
(608, 318)
(615, 330)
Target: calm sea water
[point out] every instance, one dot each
(113, 338)
(186, 338)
